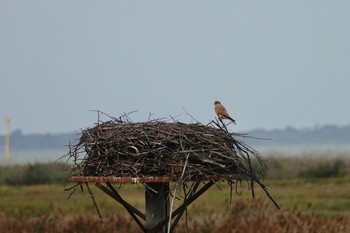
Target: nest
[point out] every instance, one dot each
(156, 148)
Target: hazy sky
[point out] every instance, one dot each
(271, 63)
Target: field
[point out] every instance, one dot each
(320, 205)
(313, 192)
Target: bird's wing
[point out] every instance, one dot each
(222, 110)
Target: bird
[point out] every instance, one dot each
(221, 112)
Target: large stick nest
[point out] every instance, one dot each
(157, 148)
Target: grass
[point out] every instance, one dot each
(308, 202)
(304, 202)
(329, 197)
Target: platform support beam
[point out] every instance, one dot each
(157, 201)
(157, 205)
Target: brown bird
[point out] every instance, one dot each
(221, 112)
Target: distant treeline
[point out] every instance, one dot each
(328, 134)
(40, 141)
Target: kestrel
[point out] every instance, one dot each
(221, 112)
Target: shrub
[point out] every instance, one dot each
(325, 169)
(13, 175)
(37, 173)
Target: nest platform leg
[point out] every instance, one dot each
(157, 206)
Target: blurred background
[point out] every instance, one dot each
(275, 66)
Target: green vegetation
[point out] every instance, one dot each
(319, 205)
(310, 165)
(307, 166)
(312, 192)
(325, 170)
(37, 173)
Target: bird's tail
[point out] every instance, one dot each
(230, 118)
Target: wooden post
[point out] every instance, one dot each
(157, 205)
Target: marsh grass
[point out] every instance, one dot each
(310, 164)
(308, 204)
(244, 216)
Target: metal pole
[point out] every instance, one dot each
(157, 205)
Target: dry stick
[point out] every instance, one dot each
(190, 115)
(93, 199)
(268, 194)
(74, 187)
(174, 194)
(223, 124)
(250, 168)
(230, 183)
(185, 201)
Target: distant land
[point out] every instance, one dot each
(44, 141)
(318, 135)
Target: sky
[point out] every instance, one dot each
(272, 64)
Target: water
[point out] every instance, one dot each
(52, 155)
(330, 150)
(33, 156)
